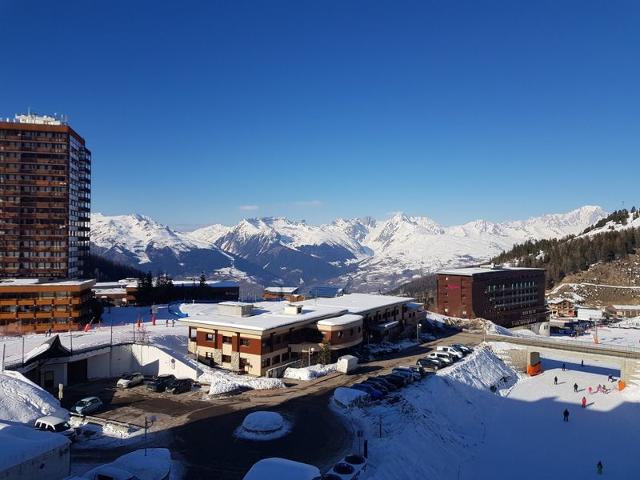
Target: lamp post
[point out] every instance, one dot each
(311, 350)
(418, 327)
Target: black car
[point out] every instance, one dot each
(160, 383)
(397, 380)
(179, 385)
(428, 363)
(377, 385)
(390, 386)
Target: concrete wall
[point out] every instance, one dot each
(52, 465)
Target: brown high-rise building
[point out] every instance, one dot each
(45, 195)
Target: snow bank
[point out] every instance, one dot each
(444, 415)
(281, 469)
(262, 426)
(221, 381)
(23, 401)
(20, 443)
(494, 329)
(309, 373)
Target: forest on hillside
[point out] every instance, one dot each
(104, 270)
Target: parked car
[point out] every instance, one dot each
(179, 385)
(421, 372)
(390, 386)
(454, 352)
(87, 405)
(466, 350)
(407, 371)
(56, 425)
(383, 389)
(160, 383)
(397, 380)
(403, 373)
(431, 363)
(129, 380)
(373, 392)
(443, 356)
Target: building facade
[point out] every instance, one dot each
(256, 338)
(32, 306)
(562, 307)
(45, 196)
(507, 296)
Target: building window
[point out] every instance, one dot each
(226, 339)
(244, 342)
(340, 334)
(276, 359)
(193, 333)
(266, 362)
(226, 358)
(285, 357)
(209, 337)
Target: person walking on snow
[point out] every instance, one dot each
(564, 367)
(599, 468)
(575, 387)
(555, 380)
(584, 402)
(582, 363)
(565, 415)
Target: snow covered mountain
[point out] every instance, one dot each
(364, 253)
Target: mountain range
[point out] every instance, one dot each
(363, 254)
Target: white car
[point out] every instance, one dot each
(56, 425)
(443, 356)
(451, 351)
(129, 380)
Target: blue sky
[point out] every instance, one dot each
(203, 112)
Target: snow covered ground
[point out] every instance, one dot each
(263, 426)
(309, 373)
(452, 426)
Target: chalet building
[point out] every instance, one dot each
(45, 173)
(257, 338)
(290, 294)
(623, 311)
(507, 296)
(562, 307)
(34, 306)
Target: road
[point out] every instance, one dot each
(199, 430)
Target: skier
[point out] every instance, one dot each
(584, 402)
(565, 415)
(173, 322)
(575, 387)
(599, 468)
(582, 363)
(590, 390)
(564, 367)
(555, 380)
(610, 378)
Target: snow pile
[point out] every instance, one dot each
(221, 381)
(494, 329)
(282, 469)
(23, 401)
(628, 323)
(21, 443)
(345, 397)
(145, 464)
(444, 414)
(309, 373)
(262, 426)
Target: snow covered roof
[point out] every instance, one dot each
(208, 283)
(341, 320)
(266, 315)
(21, 443)
(281, 289)
(626, 307)
(25, 282)
(359, 302)
(145, 464)
(471, 271)
(282, 469)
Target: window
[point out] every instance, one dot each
(209, 337)
(351, 332)
(226, 339)
(285, 357)
(276, 359)
(266, 362)
(244, 342)
(340, 334)
(226, 358)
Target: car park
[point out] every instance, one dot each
(87, 406)
(56, 425)
(179, 385)
(455, 353)
(160, 383)
(129, 380)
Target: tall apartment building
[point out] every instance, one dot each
(507, 296)
(45, 195)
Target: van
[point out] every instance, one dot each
(450, 350)
(443, 356)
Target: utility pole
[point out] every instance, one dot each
(23, 350)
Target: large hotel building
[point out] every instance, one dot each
(45, 195)
(507, 296)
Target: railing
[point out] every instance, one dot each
(570, 345)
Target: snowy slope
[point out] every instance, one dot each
(633, 221)
(366, 254)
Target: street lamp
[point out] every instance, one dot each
(311, 350)
(418, 327)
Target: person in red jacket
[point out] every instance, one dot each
(584, 402)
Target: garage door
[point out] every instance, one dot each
(77, 372)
